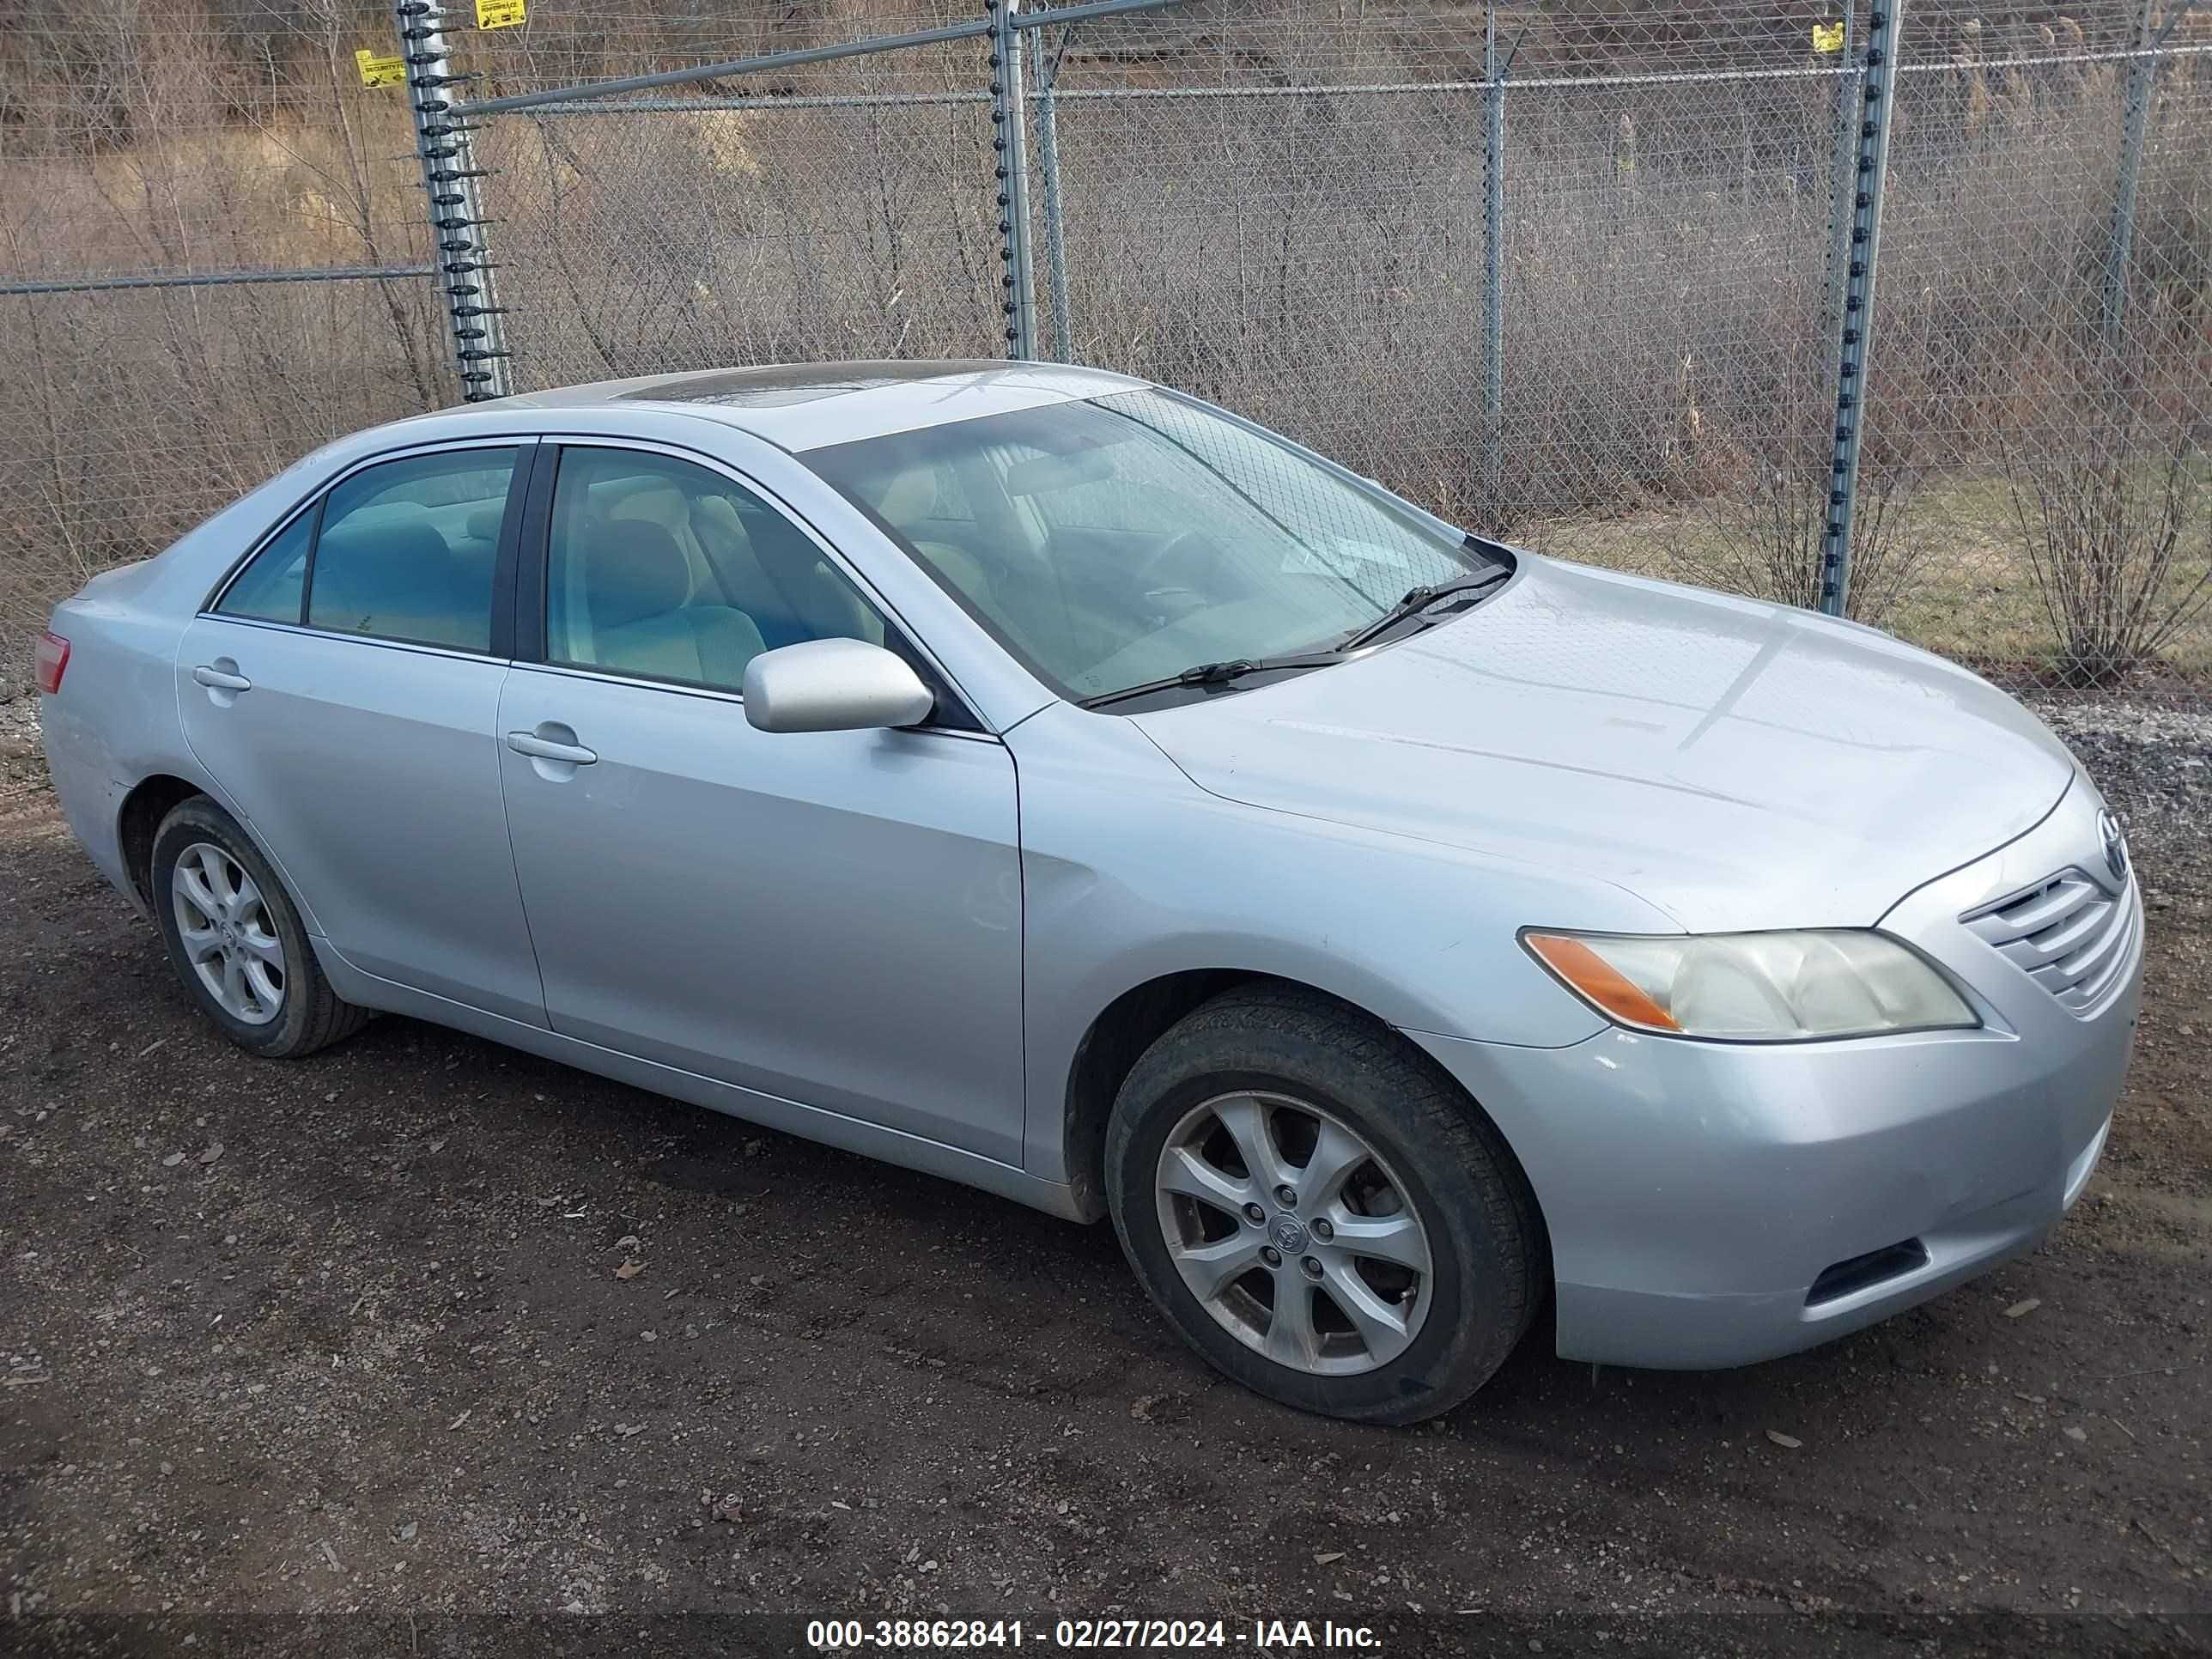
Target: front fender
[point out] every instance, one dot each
(1131, 873)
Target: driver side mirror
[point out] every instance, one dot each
(833, 685)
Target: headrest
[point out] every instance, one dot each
(380, 513)
(394, 555)
(663, 503)
(390, 569)
(717, 511)
(632, 568)
(401, 531)
(1041, 475)
(483, 521)
(909, 496)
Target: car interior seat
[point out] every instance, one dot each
(906, 501)
(639, 616)
(396, 578)
(812, 600)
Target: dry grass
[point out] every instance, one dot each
(1978, 603)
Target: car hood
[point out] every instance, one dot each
(1734, 763)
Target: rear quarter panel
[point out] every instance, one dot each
(114, 721)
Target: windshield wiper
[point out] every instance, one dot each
(1416, 601)
(1217, 673)
(1236, 668)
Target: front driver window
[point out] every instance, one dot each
(668, 571)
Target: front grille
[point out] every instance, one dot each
(2068, 934)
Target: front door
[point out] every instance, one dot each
(831, 918)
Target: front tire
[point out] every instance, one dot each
(235, 939)
(1319, 1212)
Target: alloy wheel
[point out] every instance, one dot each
(1294, 1233)
(228, 935)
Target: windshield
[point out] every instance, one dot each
(1125, 539)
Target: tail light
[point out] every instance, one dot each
(53, 662)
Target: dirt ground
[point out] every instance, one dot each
(342, 1357)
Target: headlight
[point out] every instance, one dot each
(1755, 987)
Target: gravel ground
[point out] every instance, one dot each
(425, 1346)
(2154, 765)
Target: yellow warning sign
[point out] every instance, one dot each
(501, 14)
(1826, 37)
(377, 71)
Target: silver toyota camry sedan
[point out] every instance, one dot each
(1039, 778)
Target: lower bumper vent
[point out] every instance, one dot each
(1845, 1278)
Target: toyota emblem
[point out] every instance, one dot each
(2116, 846)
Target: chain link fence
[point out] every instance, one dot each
(1305, 232)
(1579, 274)
(686, 233)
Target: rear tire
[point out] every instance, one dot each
(235, 939)
(1408, 1254)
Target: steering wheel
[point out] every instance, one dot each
(1170, 596)
(1181, 543)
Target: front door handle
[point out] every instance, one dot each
(537, 748)
(216, 679)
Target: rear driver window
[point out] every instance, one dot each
(406, 549)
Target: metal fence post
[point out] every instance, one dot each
(1839, 189)
(450, 179)
(1056, 234)
(1855, 321)
(1009, 115)
(2142, 79)
(1493, 277)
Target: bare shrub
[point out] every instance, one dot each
(1763, 536)
(2114, 504)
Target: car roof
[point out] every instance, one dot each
(802, 406)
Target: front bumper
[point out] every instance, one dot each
(1697, 1193)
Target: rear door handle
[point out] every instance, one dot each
(213, 677)
(537, 748)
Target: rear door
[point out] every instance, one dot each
(342, 691)
(832, 918)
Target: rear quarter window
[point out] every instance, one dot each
(273, 586)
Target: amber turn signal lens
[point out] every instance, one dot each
(1600, 981)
